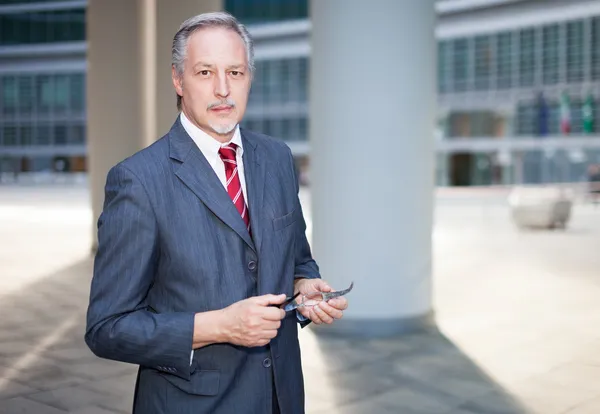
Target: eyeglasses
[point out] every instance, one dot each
(312, 299)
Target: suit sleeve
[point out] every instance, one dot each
(119, 324)
(305, 265)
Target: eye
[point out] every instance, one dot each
(204, 72)
(236, 73)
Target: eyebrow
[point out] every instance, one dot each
(210, 66)
(203, 65)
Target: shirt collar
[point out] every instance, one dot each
(207, 144)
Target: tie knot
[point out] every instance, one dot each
(228, 152)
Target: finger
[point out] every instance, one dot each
(330, 311)
(269, 334)
(304, 312)
(338, 303)
(322, 314)
(262, 342)
(323, 286)
(271, 325)
(272, 314)
(266, 300)
(315, 317)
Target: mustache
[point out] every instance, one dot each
(228, 102)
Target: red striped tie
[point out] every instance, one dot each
(234, 186)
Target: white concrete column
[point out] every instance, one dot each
(372, 122)
(130, 98)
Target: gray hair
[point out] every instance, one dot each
(191, 25)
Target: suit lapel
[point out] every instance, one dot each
(197, 174)
(254, 173)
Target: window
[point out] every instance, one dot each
(25, 94)
(26, 135)
(61, 93)
(483, 62)
(526, 119)
(44, 93)
(550, 54)
(303, 74)
(576, 116)
(3, 2)
(256, 92)
(9, 95)
(443, 59)
(42, 27)
(553, 118)
(273, 81)
(303, 129)
(278, 82)
(43, 135)
(504, 61)
(460, 64)
(595, 45)
(527, 57)
(259, 11)
(255, 125)
(575, 51)
(60, 135)
(77, 92)
(9, 136)
(77, 134)
(532, 167)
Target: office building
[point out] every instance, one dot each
(518, 82)
(42, 85)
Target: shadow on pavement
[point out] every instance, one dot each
(416, 373)
(45, 365)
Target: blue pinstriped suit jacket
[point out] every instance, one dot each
(170, 244)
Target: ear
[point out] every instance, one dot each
(177, 81)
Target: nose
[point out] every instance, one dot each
(221, 86)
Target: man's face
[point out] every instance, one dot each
(215, 82)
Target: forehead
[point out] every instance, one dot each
(214, 45)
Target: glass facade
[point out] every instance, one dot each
(575, 51)
(278, 99)
(42, 27)
(38, 110)
(553, 54)
(264, 11)
(7, 2)
(504, 60)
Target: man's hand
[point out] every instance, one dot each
(324, 312)
(252, 322)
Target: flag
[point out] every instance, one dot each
(588, 115)
(542, 112)
(565, 114)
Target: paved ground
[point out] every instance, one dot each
(518, 316)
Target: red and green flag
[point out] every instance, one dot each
(565, 114)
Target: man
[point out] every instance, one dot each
(201, 239)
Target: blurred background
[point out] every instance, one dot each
(517, 86)
(477, 269)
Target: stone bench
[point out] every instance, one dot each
(546, 207)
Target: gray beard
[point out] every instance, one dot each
(223, 129)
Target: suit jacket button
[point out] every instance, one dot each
(252, 265)
(267, 362)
